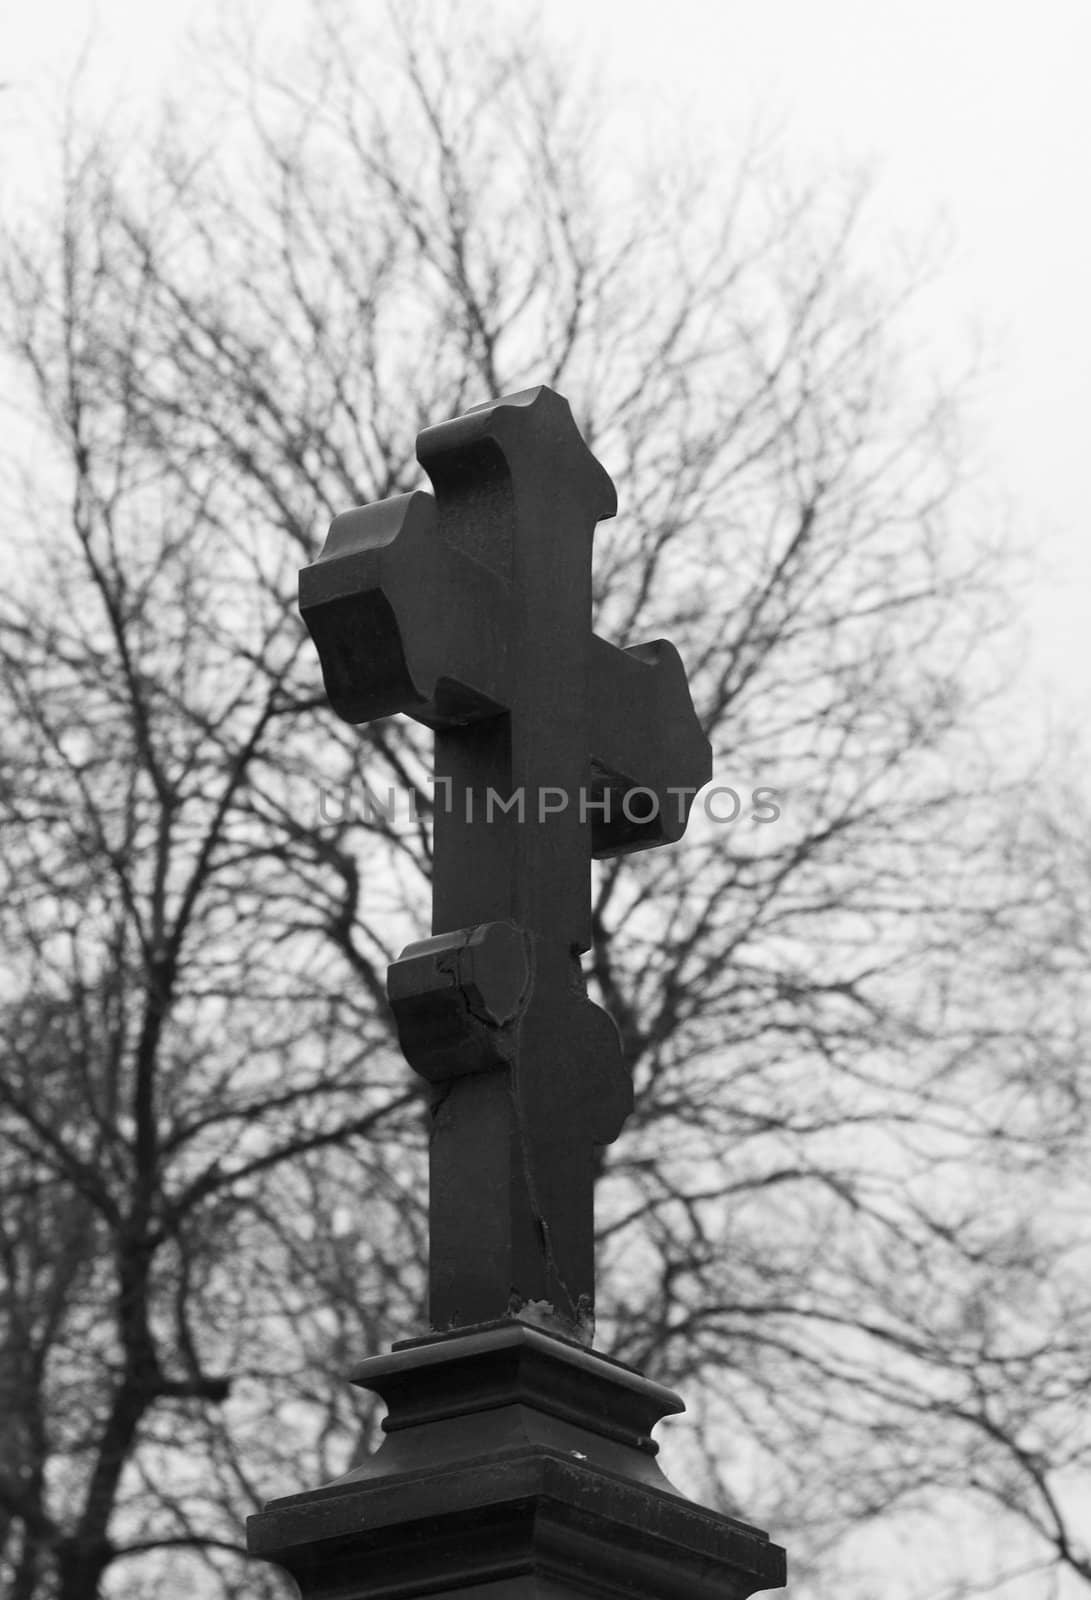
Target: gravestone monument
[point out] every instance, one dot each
(518, 1463)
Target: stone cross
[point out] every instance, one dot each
(471, 612)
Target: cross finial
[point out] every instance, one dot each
(471, 611)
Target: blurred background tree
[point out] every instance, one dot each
(845, 1218)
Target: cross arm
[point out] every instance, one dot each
(386, 605)
(645, 735)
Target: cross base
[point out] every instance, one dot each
(516, 1466)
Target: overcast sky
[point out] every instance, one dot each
(976, 110)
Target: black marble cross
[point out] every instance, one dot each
(471, 611)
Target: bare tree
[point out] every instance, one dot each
(213, 1174)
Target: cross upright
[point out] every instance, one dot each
(470, 611)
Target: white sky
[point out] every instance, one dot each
(978, 110)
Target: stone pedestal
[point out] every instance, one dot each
(516, 1466)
